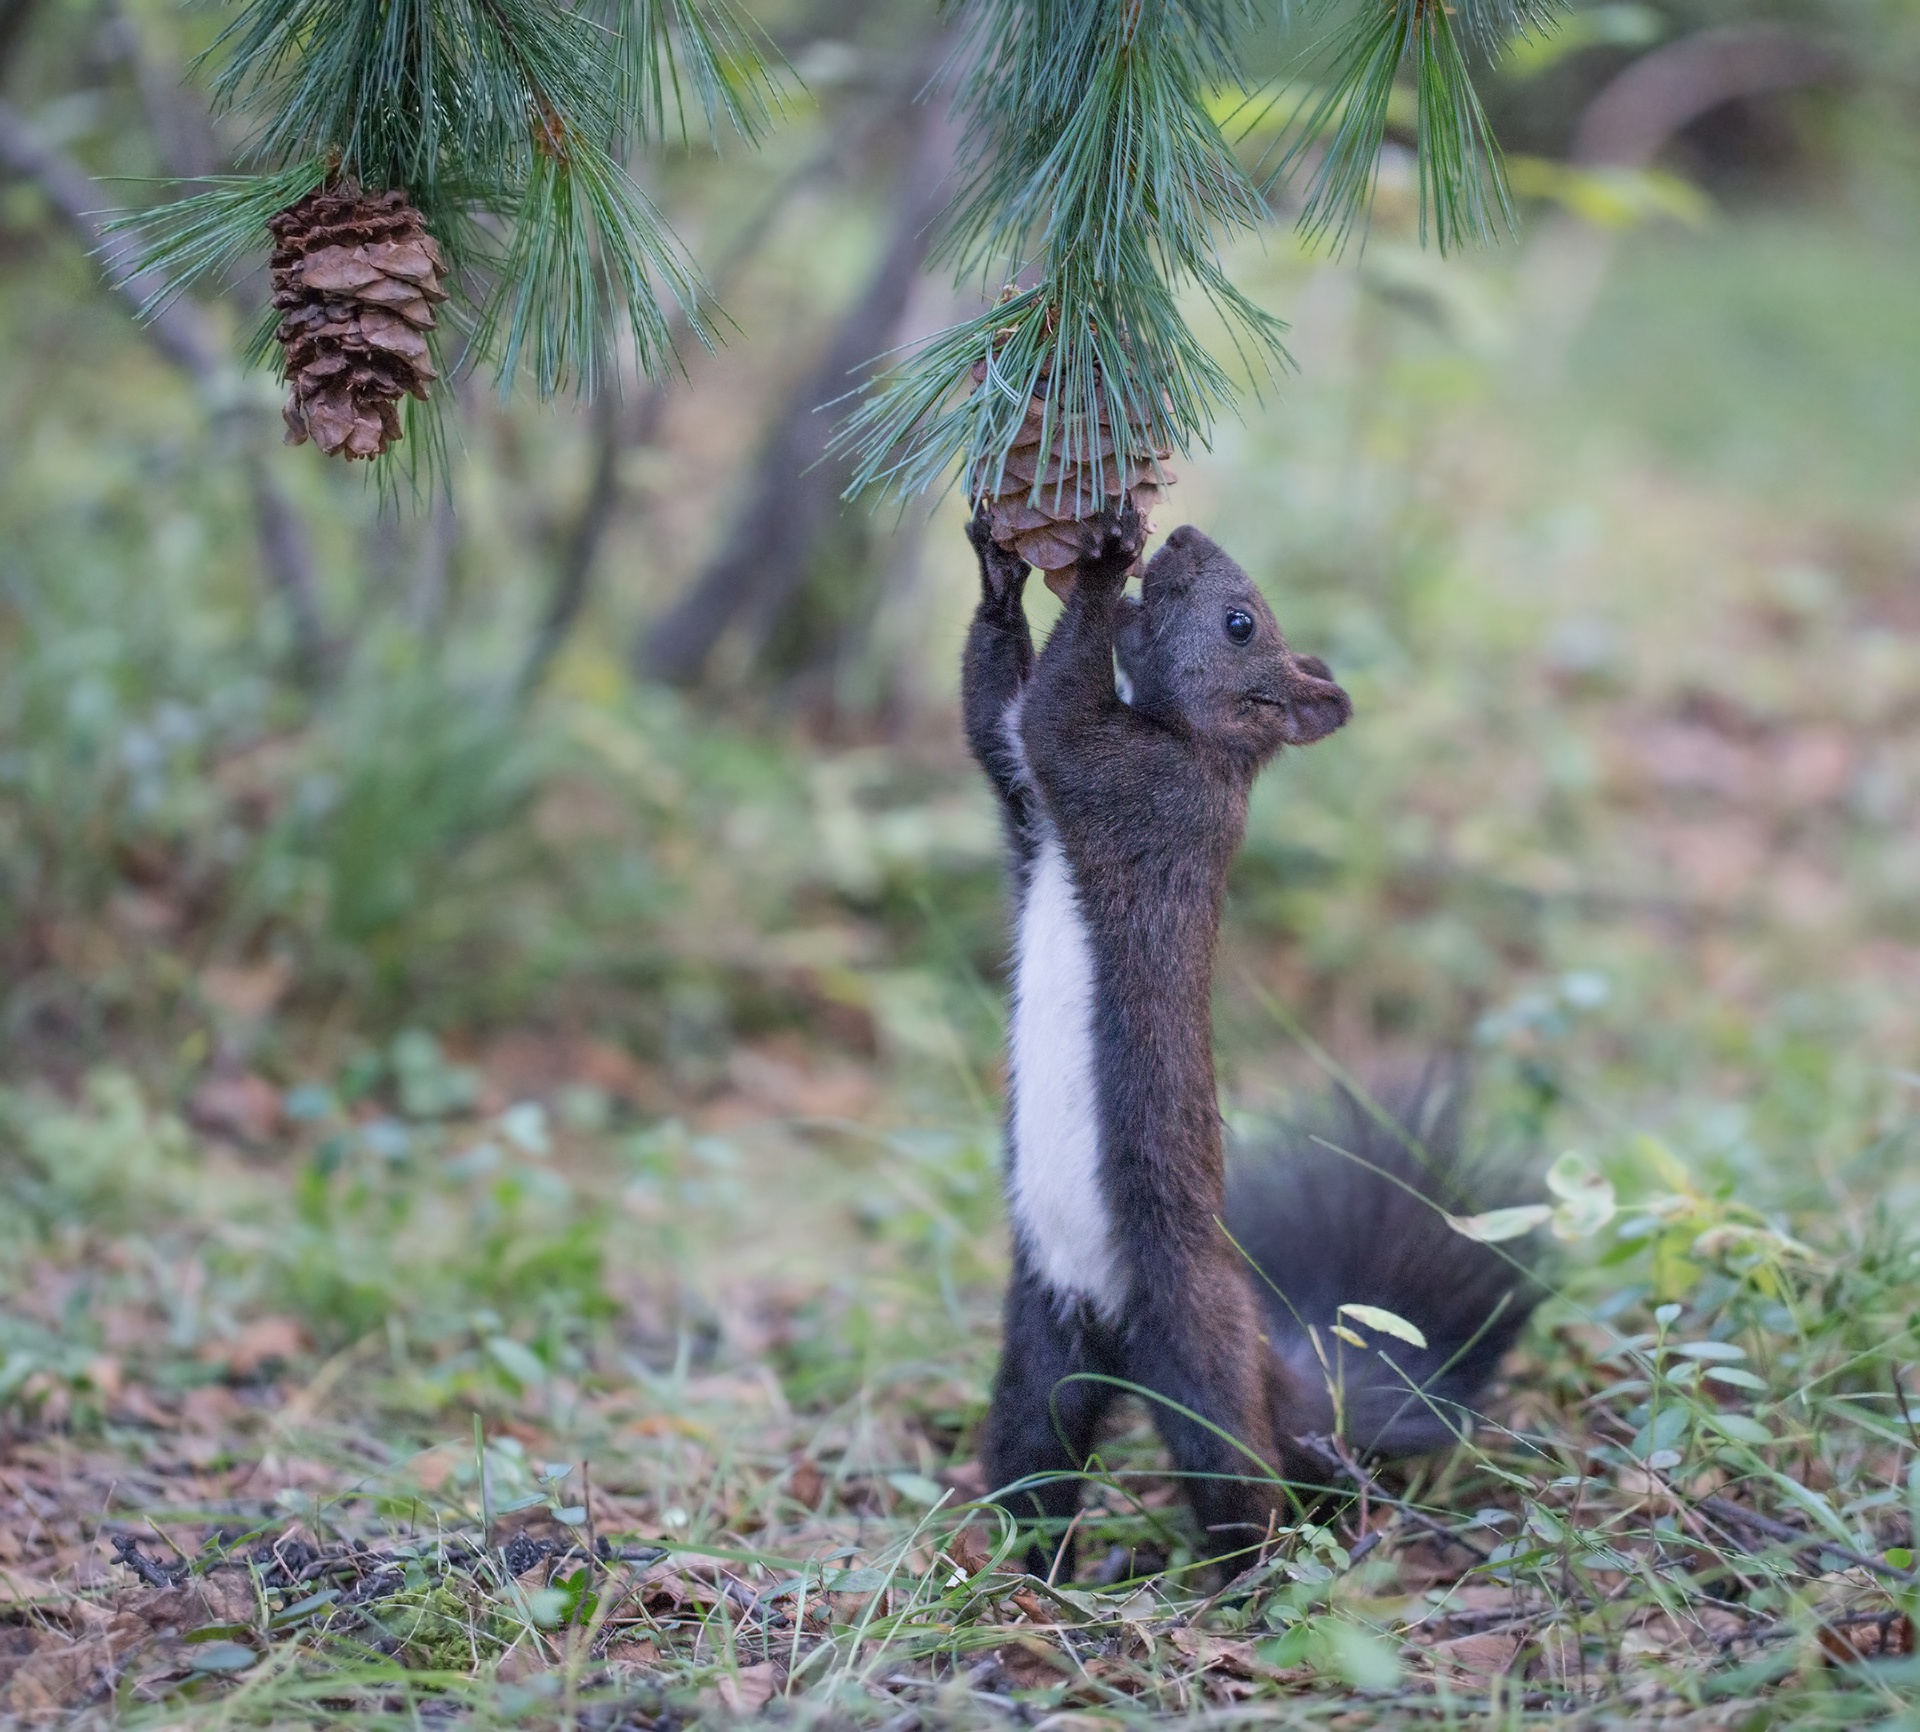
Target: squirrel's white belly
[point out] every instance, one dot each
(1054, 1189)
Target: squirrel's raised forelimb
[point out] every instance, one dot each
(994, 672)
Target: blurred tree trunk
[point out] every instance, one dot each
(793, 498)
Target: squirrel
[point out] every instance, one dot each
(1124, 801)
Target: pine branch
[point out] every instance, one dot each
(206, 235)
(672, 47)
(1100, 188)
(1463, 188)
(500, 122)
(1097, 171)
(586, 243)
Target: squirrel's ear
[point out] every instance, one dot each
(1315, 706)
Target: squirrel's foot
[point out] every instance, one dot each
(1122, 534)
(1003, 573)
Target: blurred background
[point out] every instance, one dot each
(467, 920)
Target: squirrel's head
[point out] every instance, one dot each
(1201, 651)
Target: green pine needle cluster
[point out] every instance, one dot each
(1099, 186)
(1336, 145)
(1095, 175)
(509, 123)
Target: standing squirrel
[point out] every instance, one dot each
(1122, 817)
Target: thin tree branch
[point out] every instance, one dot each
(1626, 126)
(1633, 117)
(1738, 1514)
(176, 329)
(181, 333)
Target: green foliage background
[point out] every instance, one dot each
(1628, 811)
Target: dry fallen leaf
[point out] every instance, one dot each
(1879, 1638)
(17, 1590)
(48, 1677)
(1033, 1606)
(971, 1547)
(1207, 1651)
(46, 1670)
(752, 1688)
(244, 1106)
(806, 1482)
(1488, 1655)
(246, 992)
(212, 1408)
(263, 1342)
(1032, 1664)
(1229, 1654)
(1428, 1563)
(968, 1480)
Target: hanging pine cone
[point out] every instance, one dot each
(355, 277)
(1052, 529)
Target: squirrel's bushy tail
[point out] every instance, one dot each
(1350, 1208)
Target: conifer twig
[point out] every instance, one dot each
(1101, 190)
(501, 123)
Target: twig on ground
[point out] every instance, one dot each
(150, 1571)
(1801, 1540)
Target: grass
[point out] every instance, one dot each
(1694, 1500)
(499, 1216)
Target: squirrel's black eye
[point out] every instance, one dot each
(1239, 625)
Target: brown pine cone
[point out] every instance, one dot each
(355, 277)
(1051, 527)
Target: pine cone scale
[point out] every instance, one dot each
(338, 269)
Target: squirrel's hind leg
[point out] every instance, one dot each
(1049, 1397)
(1203, 1354)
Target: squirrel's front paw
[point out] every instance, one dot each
(1121, 533)
(1003, 573)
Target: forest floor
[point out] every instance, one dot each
(551, 1481)
(611, 1357)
